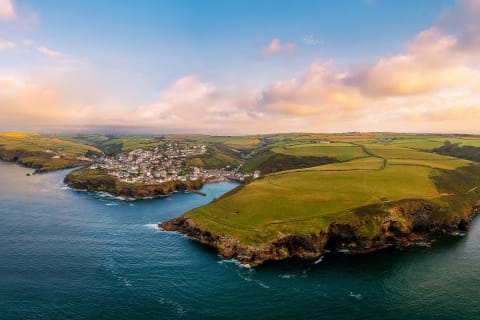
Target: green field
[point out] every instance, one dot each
(44, 152)
(39, 143)
(308, 200)
(340, 151)
(308, 182)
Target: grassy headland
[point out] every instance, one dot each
(99, 180)
(355, 191)
(383, 189)
(42, 152)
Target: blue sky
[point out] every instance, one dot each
(221, 39)
(126, 57)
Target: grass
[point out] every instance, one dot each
(447, 164)
(37, 142)
(367, 163)
(302, 201)
(461, 141)
(340, 151)
(239, 143)
(285, 155)
(316, 195)
(392, 151)
(217, 156)
(44, 152)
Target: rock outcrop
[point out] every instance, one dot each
(41, 161)
(405, 223)
(114, 186)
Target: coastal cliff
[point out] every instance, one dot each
(99, 180)
(404, 223)
(38, 160)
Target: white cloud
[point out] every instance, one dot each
(310, 40)
(4, 45)
(193, 104)
(48, 52)
(7, 10)
(276, 47)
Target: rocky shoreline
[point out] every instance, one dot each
(408, 222)
(117, 188)
(37, 160)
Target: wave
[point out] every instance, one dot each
(179, 309)
(318, 260)
(229, 261)
(153, 226)
(357, 296)
(111, 267)
(111, 204)
(103, 194)
(236, 262)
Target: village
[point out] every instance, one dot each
(165, 163)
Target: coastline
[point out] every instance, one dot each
(414, 226)
(38, 161)
(116, 188)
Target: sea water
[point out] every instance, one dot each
(66, 254)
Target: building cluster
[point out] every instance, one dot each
(162, 164)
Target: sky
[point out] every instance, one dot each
(240, 67)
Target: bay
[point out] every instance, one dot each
(66, 254)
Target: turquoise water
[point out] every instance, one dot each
(76, 255)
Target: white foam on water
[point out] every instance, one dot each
(318, 260)
(103, 194)
(286, 276)
(153, 226)
(356, 296)
(180, 310)
(245, 273)
(111, 267)
(110, 204)
(229, 261)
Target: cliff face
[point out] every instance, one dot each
(405, 223)
(115, 187)
(18, 155)
(41, 161)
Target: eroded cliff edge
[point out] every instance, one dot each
(99, 180)
(404, 223)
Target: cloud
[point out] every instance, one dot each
(194, 104)
(276, 47)
(7, 10)
(432, 84)
(433, 60)
(309, 40)
(4, 45)
(48, 52)
(318, 92)
(35, 106)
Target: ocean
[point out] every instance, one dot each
(66, 254)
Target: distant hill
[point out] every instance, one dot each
(42, 152)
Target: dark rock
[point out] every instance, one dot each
(408, 223)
